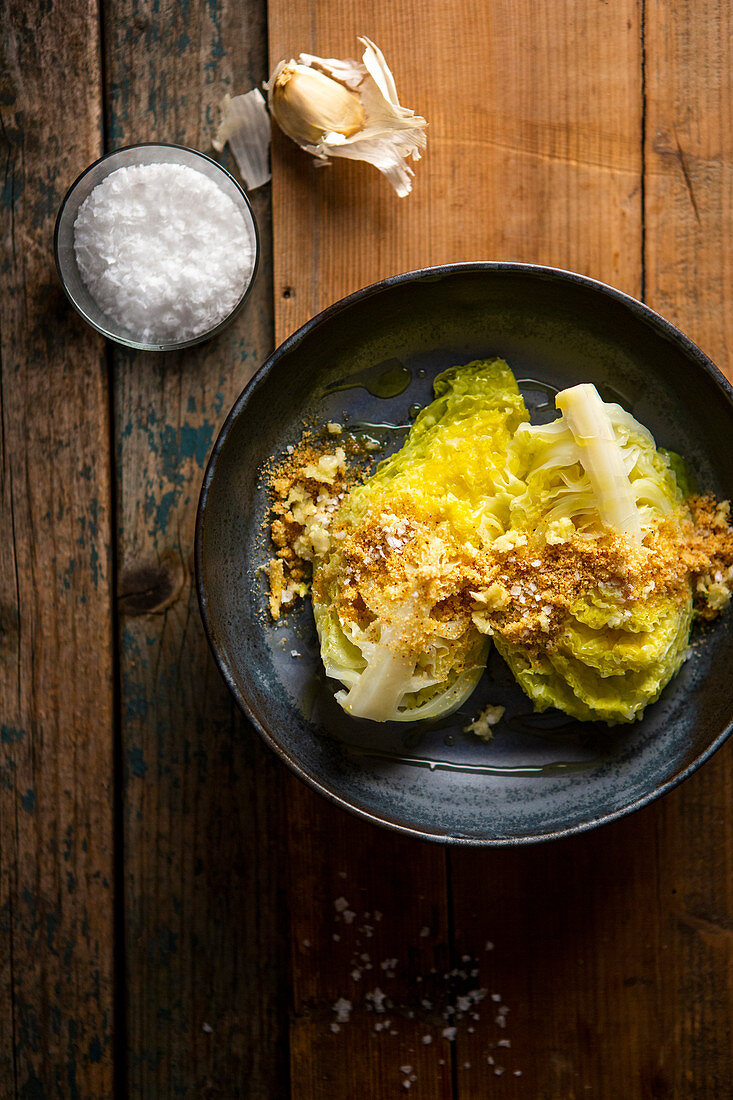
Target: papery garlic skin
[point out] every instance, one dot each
(245, 124)
(320, 114)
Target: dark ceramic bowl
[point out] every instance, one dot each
(541, 776)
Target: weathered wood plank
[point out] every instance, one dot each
(534, 154)
(689, 170)
(689, 227)
(56, 674)
(612, 952)
(204, 961)
(533, 147)
(370, 936)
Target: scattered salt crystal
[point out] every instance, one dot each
(207, 1028)
(504, 1043)
(306, 943)
(424, 932)
(427, 1040)
(466, 1065)
(496, 997)
(517, 1073)
(498, 1070)
(406, 1083)
(406, 1069)
(489, 946)
(449, 1033)
(335, 1028)
(342, 1008)
(340, 904)
(377, 998)
(163, 250)
(349, 915)
(335, 937)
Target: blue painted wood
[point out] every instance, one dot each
(56, 662)
(202, 810)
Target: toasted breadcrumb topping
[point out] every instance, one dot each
(520, 586)
(306, 488)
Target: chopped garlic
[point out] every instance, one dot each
(327, 466)
(335, 108)
(510, 541)
(482, 724)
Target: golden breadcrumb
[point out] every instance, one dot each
(520, 587)
(306, 487)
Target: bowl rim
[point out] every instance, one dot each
(642, 311)
(138, 345)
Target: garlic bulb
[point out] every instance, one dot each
(334, 108)
(308, 105)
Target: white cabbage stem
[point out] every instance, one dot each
(602, 458)
(388, 674)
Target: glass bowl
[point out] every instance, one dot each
(71, 280)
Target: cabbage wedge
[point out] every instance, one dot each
(391, 624)
(590, 476)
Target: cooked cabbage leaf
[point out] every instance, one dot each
(599, 468)
(386, 625)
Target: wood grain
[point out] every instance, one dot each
(689, 263)
(369, 926)
(204, 966)
(533, 152)
(611, 951)
(689, 171)
(56, 672)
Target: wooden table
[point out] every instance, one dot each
(170, 919)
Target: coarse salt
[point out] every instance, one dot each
(165, 253)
